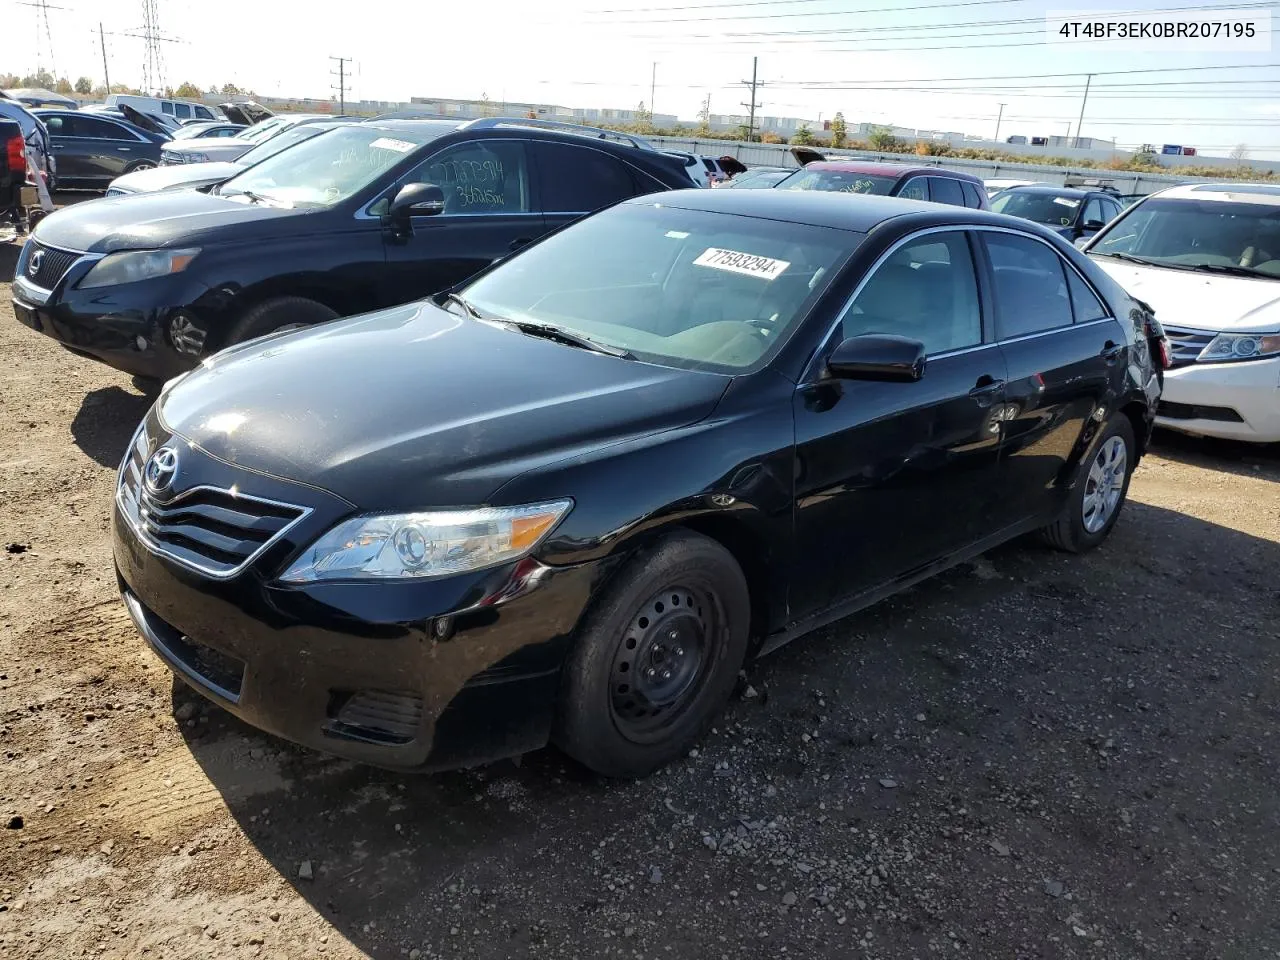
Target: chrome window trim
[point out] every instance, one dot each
(972, 227)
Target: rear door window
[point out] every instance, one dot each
(1030, 285)
(972, 198)
(1084, 302)
(1093, 211)
(166, 107)
(946, 190)
(182, 111)
(575, 179)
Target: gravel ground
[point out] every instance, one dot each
(1034, 755)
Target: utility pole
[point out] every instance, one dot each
(42, 8)
(102, 39)
(1087, 80)
(653, 85)
(999, 117)
(342, 82)
(751, 107)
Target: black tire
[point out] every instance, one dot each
(1071, 532)
(594, 723)
(272, 315)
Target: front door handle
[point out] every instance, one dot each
(125, 149)
(985, 390)
(519, 242)
(1111, 352)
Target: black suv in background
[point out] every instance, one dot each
(1071, 212)
(361, 217)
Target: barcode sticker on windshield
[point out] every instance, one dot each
(387, 143)
(747, 263)
(1067, 201)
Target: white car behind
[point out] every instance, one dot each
(1206, 257)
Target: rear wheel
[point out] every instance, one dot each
(282, 313)
(140, 165)
(656, 659)
(1100, 490)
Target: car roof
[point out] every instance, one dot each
(843, 211)
(439, 127)
(881, 169)
(1053, 191)
(1248, 192)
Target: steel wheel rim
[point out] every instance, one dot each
(661, 662)
(1104, 485)
(144, 165)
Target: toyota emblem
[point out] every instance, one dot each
(160, 469)
(37, 259)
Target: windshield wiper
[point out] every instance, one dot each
(561, 335)
(1230, 269)
(255, 197)
(1129, 257)
(464, 303)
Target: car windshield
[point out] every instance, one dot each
(758, 179)
(187, 131)
(1047, 208)
(262, 129)
(269, 148)
(686, 288)
(326, 170)
(839, 181)
(1226, 235)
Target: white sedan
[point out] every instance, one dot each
(1206, 257)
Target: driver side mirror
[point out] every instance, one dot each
(416, 200)
(878, 356)
(1093, 225)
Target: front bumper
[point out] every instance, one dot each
(1236, 401)
(128, 327)
(403, 675)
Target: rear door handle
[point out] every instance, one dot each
(985, 390)
(1111, 351)
(125, 149)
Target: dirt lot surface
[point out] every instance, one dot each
(1032, 756)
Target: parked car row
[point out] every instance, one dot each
(646, 420)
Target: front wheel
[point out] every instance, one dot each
(278, 315)
(656, 658)
(1100, 491)
(140, 165)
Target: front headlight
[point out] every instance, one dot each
(137, 265)
(425, 545)
(1240, 346)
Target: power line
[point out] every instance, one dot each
(782, 3)
(1036, 76)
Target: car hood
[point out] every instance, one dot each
(1200, 301)
(176, 176)
(170, 218)
(416, 407)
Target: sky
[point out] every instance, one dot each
(935, 64)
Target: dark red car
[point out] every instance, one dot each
(890, 180)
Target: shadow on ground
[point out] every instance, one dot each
(1027, 756)
(105, 422)
(1232, 456)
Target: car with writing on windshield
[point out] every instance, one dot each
(567, 498)
(1073, 212)
(889, 180)
(365, 215)
(1206, 256)
(200, 176)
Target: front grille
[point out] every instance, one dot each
(1186, 344)
(215, 531)
(52, 264)
(381, 716)
(1197, 411)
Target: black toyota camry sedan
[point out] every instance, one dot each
(565, 499)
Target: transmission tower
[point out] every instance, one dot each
(42, 8)
(153, 57)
